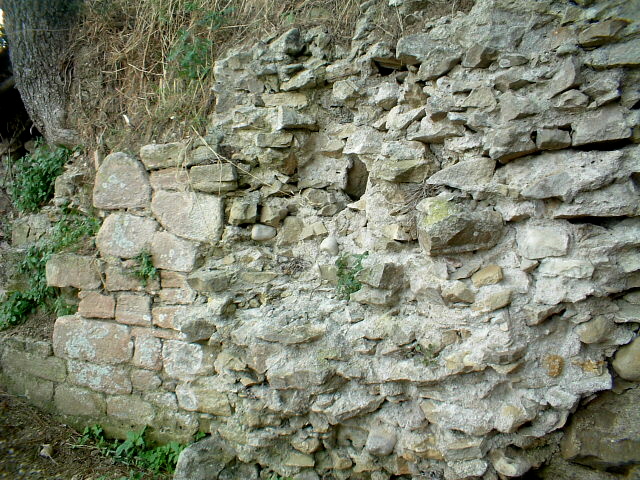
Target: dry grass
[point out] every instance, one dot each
(142, 68)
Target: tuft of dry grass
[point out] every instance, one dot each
(142, 69)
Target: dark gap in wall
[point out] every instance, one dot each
(605, 222)
(607, 146)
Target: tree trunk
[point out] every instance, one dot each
(38, 33)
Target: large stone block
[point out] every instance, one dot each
(446, 228)
(90, 340)
(539, 241)
(134, 310)
(70, 270)
(627, 361)
(606, 125)
(121, 182)
(102, 378)
(130, 409)
(187, 360)
(96, 305)
(172, 253)
(169, 179)
(194, 216)
(70, 400)
(163, 155)
(48, 368)
(124, 235)
(148, 352)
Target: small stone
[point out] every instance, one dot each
(381, 442)
(594, 331)
(554, 365)
(217, 178)
(536, 242)
(625, 54)
(466, 175)
(552, 139)
(172, 253)
(565, 78)
(509, 143)
(429, 131)
(134, 310)
(487, 276)
(509, 466)
(627, 361)
(169, 179)
(261, 233)
(479, 56)
(288, 118)
(458, 292)
(492, 301)
(572, 101)
(243, 210)
(95, 305)
(607, 124)
(330, 246)
(601, 33)
(440, 61)
(156, 156)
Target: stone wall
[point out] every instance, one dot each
(482, 169)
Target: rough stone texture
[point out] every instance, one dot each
(185, 360)
(121, 182)
(193, 216)
(155, 156)
(74, 401)
(214, 178)
(102, 378)
(94, 341)
(627, 361)
(70, 270)
(95, 305)
(133, 310)
(124, 235)
(173, 253)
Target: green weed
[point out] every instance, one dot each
(429, 354)
(34, 176)
(348, 267)
(145, 270)
(65, 235)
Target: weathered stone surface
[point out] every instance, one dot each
(552, 139)
(102, 378)
(492, 300)
(204, 460)
(147, 352)
(605, 433)
(617, 55)
(489, 275)
(169, 179)
(217, 179)
(445, 228)
(16, 362)
(186, 360)
(194, 216)
(166, 155)
(438, 63)
(124, 235)
(381, 441)
(74, 337)
(601, 32)
(458, 292)
(565, 78)
(173, 253)
(134, 310)
(509, 143)
(243, 210)
(209, 281)
(130, 409)
(95, 305)
(607, 124)
(74, 401)
(70, 270)
(121, 182)
(537, 241)
(290, 119)
(627, 361)
(363, 141)
(479, 56)
(430, 131)
(468, 175)
(202, 396)
(261, 233)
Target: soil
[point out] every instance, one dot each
(34, 446)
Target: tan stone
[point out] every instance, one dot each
(493, 301)
(15, 362)
(70, 270)
(186, 360)
(194, 216)
(489, 275)
(124, 235)
(458, 292)
(143, 380)
(134, 309)
(627, 361)
(95, 305)
(102, 378)
(76, 401)
(169, 179)
(118, 279)
(121, 182)
(216, 179)
(177, 296)
(91, 340)
(173, 279)
(201, 398)
(173, 253)
(131, 409)
(163, 155)
(148, 352)
(163, 316)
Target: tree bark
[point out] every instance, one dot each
(38, 33)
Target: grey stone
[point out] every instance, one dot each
(607, 124)
(429, 131)
(381, 441)
(288, 119)
(186, 361)
(204, 460)
(218, 178)
(169, 179)
(403, 171)
(194, 216)
(539, 241)
(565, 78)
(209, 281)
(601, 32)
(468, 175)
(446, 228)
(413, 49)
(386, 95)
(363, 141)
(482, 98)
(552, 139)
(202, 396)
(243, 210)
(262, 233)
(513, 107)
(617, 55)
(627, 361)
(156, 156)
(173, 253)
(509, 465)
(401, 116)
(121, 182)
(124, 235)
(457, 292)
(289, 43)
(479, 56)
(438, 63)
(572, 101)
(509, 143)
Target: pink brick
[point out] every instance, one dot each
(95, 305)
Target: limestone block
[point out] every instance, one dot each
(70, 400)
(148, 352)
(96, 305)
(446, 228)
(386, 95)
(567, 76)
(198, 322)
(401, 116)
(345, 90)
(625, 54)
(124, 235)
(552, 139)
(204, 459)
(509, 143)
(489, 275)
(363, 141)
(384, 275)
(305, 79)
(243, 210)
(177, 296)
(479, 56)
(109, 379)
(289, 119)
(70, 270)
(572, 101)
(458, 292)
(290, 231)
(166, 155)
(169, 179)
(285, 99)
(186, 360)
(566, 267)
(482, 98)
(323, 171)
(381, 441)
(209, 281)
(163, 316)
(283, 373)
(600, 33)
(413, 49)
(627, 361)
(172, 253)
(194, 216)
(262, 233)
(118, 279)
(218, 178)
(121, 182)
(509, 465)
(617, 199)
(492, 300)
(402, 171)
(201, 396)
(438, 63)
(74, 337)
(133, 309)
(468, 175)
(607, 124)
(595, 331)
(145, 380)
(130, 409)
(430, 131)
(539, 241)
(16, 362)
(289, 43)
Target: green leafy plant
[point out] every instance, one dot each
(429, 354)
(34, 176)
(145, 270)
(66, 234)
(348, 267)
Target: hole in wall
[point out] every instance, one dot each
(357, 177)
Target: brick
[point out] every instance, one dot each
(70, 270)
(102, 378)
(187, 360)
(92, 340)
(133, 310)
(95, 305)
(129, 408)
(148, 352)
(76, 401)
